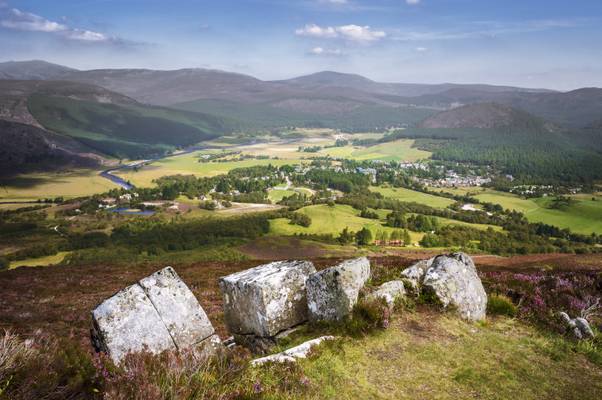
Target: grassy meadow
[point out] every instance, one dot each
(408, 195)
(188, 164)
(42, 185)
(332, 220)
(583, 216)
(399, 150)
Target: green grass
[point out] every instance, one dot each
(40, 261)
(399, 150)
(70, 184)
(426, 356)
(584, 216)
(332, 220)
(188, 164)
(408, 195)
(276, 195)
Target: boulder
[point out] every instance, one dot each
(180, 311)
(292, 354)
(157, 313)
(267, 299)
(390, 292)
(453, 279)
(415, 273)
(332, 293)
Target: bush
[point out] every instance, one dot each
(300, 219)
(498, 304)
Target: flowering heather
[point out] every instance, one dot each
(541, 295)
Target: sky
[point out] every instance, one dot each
(554, 44)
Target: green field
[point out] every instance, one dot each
(54, 184)
(188, 164)
(276, 195)
(399, 150)
(409, 195)
(40, 261)
(332, 220)
(584, 216)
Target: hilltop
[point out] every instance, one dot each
(484, 116)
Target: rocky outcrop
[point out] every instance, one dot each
(267, 299)
(579, 327)
(292, 354)
(332, 293)
(390, 292)
(156, 314)
(453, 279)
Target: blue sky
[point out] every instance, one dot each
(535, 43)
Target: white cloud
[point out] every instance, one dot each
(413, 2)
(421, 49)
(320, 51)
(314, 30)
(360, 33)
(24, 21)
(335, 1)
(355, 33)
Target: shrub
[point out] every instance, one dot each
(498, 304)
(300, 219)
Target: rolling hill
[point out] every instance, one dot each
(103, 121)
(485, 116)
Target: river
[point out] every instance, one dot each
(108, 173)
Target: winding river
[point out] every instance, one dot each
(108, 173)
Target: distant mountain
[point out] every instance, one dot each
(329, 99)
(485, 116)
(332, 79)
(26, 148)
(25, 70)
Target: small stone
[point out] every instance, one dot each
(292, 354)
(390, 292)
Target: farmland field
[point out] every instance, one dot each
(399, 150)
(332, 220)
(188, 164)
(583, 216)
(409, 195)
(71, 184)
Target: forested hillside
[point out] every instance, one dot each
(512, 140)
